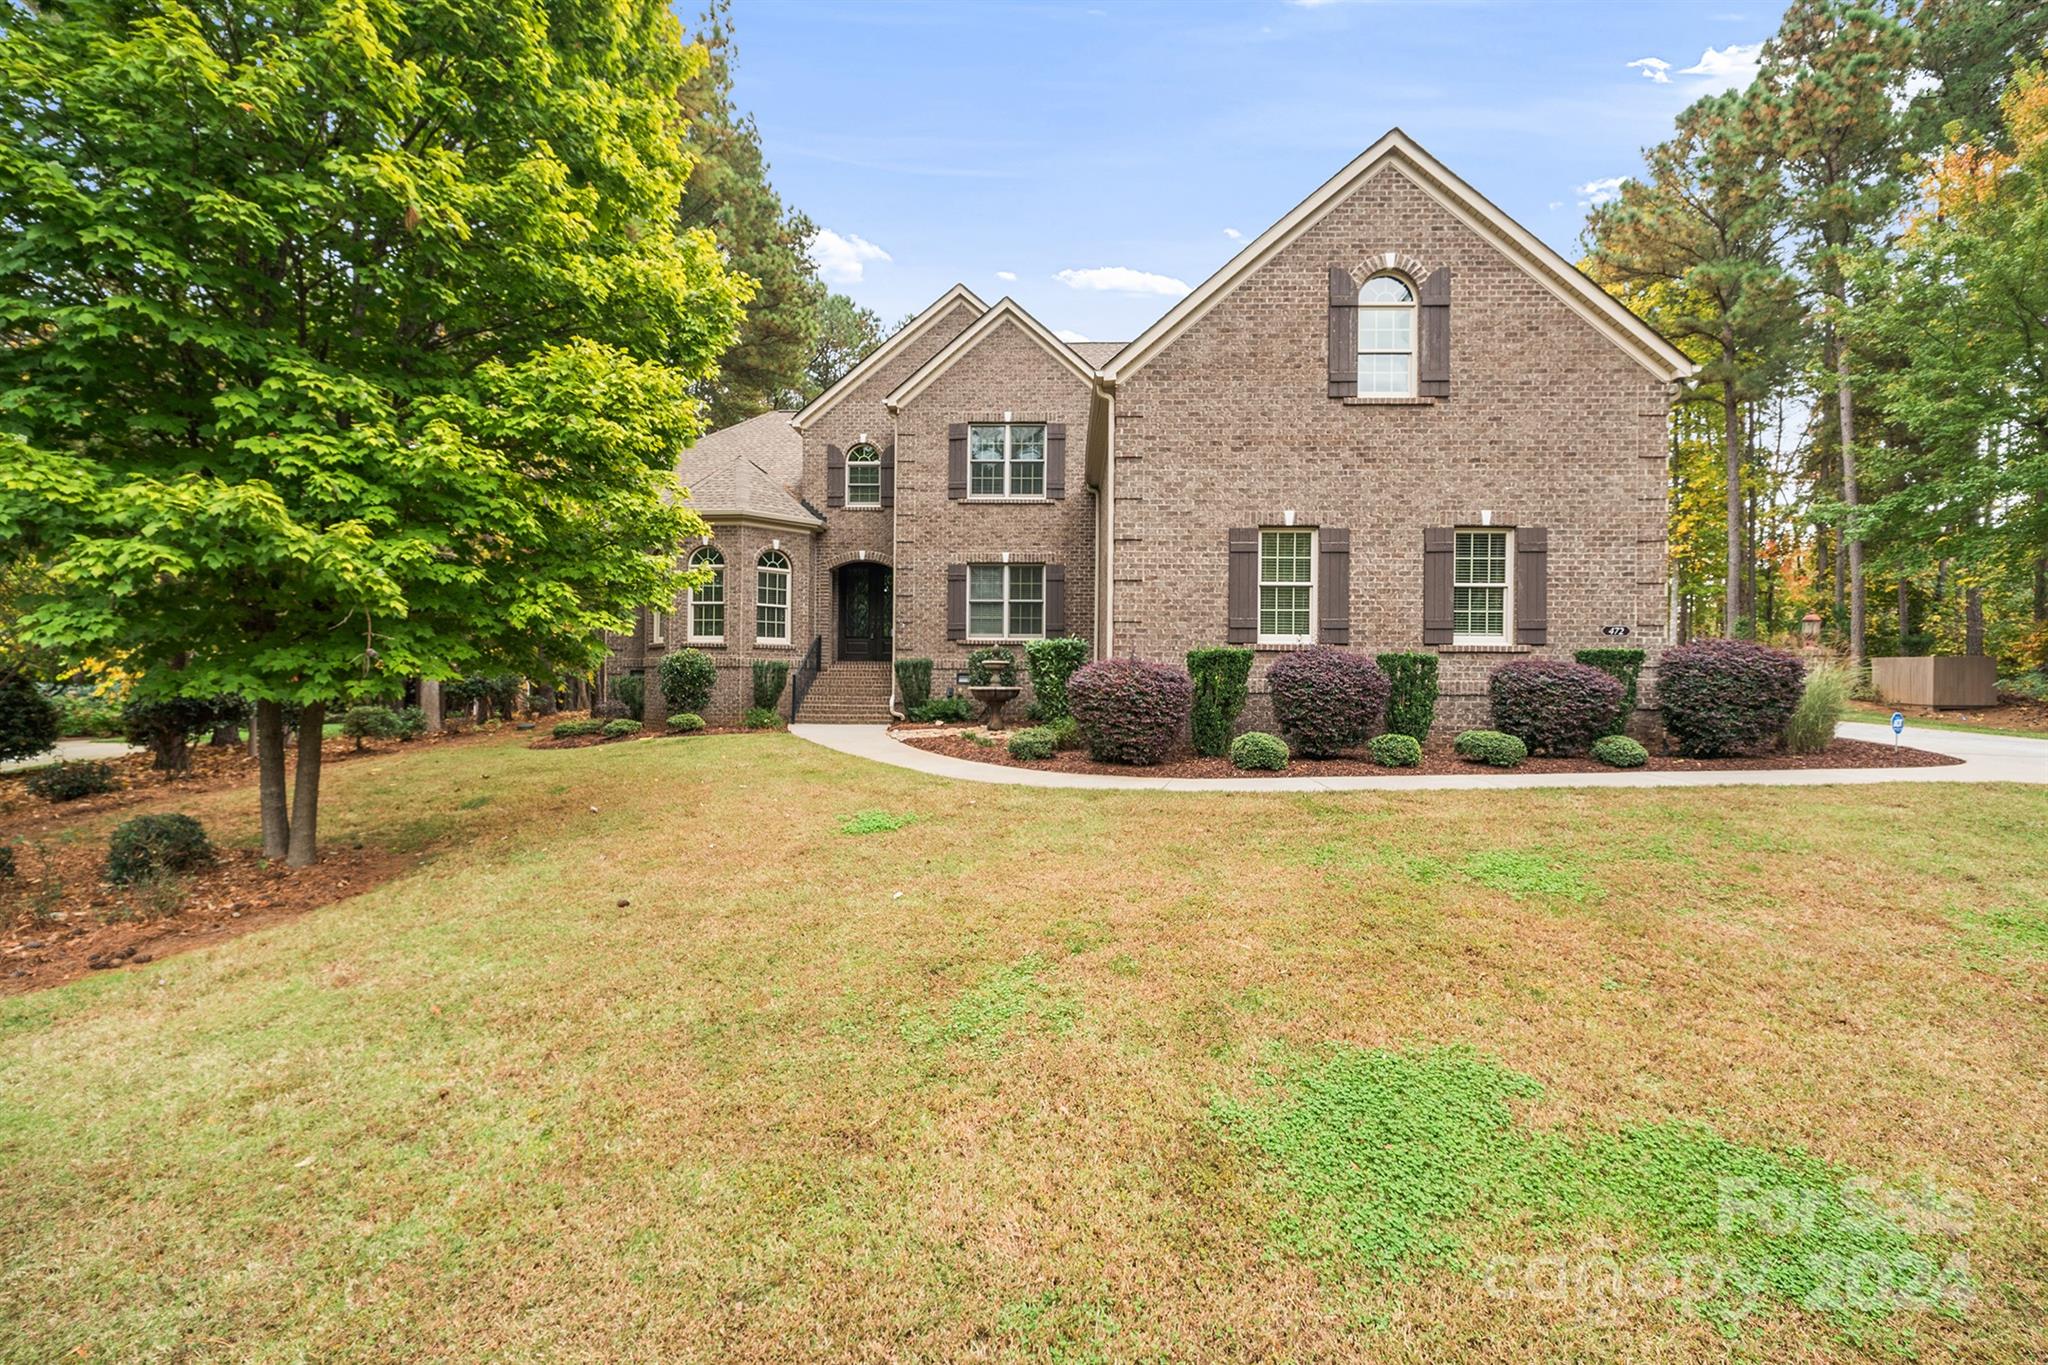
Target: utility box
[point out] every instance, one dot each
(1942, 680)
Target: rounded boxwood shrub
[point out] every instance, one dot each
(369, 722)
(576, 729)
(620, 728)
(1327, 700)
(71, 781)
(1222, 678)
(1553, 706)
(760, 718)
(1491, 747)
(1257, 751)
(686, 723)
(1721, 697)
(152, 845)
(28, 720)
(1033, 744)
(1619, 751)
(1065, 732)
(686, 677)
(1052, 663)
(1395, 751)
(608, 710)
(411, 721)
(1130, 711)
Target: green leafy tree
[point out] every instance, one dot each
(347, 341)
(1967, 51)
(846, 333)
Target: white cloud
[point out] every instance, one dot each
(1653, 67)
(1006, 276)
(843, 260)
(1597, 192)
(1066, 334)
(1121, 279)
(1557, 203)
(1232, 233)
(1728, 67)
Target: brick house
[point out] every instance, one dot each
(1394, 420)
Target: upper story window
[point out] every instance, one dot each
(1006, 460)
(1386, 338)
(1006, 601)
(1479, 588)
(707, 600)
(771, 596)
(863, 476)
(1286, 587)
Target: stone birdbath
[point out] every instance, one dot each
(999, 691)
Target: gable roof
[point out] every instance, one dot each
(1563, 279)
(823, 403)
(746, 471)
(1006, 309)
(1097, 352)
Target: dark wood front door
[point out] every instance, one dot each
(864, 611)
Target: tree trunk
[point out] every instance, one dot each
(1973, 621)
(226, 735)
(305, 849)
(1731, 449)
(267, 733)
(1846, 401)
(168, 750)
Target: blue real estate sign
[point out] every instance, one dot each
(1898, 724)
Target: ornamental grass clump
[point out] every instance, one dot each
(1822, 703)
(1257, 751)
(1327, 700)
(1552, 706)
(1130, 711)
(1722, 697)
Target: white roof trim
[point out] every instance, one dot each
(1640, 340)
(967, 340)
(823, 403)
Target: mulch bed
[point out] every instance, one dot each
(1437, 758)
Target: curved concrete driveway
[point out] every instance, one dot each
(1986, 758)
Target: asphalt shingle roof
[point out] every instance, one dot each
(748, 469)
(1097, 352)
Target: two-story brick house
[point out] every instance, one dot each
(1394, 420)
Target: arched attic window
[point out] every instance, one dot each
(1386, 338)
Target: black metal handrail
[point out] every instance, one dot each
(806, 674)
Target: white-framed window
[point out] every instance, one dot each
(771, 598)
(1480, 571)
(1006, 460)
(1006, 601)
(1287, 586)
(863, 476)
(1386, 338)
(707, 600)
(657, 626)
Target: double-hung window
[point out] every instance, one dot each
(707, 599)
(771, 599)
(1386, 338)
(1006, 460)
(863, 476)
(1479, 587)
(1286, 587)
(1006, 601)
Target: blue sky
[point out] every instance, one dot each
(1093, 159)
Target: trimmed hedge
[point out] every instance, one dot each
(619, 729)
(685, 723)
(1033, 744)
(1327, 700)
(1052, 663)
(1553, 706)
(71, 781)
(686, 677)
(1257, 751)
(1395, 751)
(370, 722)
(1491, 747)
(152, 845)
(1130, 711)
(1721, 697)
(914, 683)
(1619, 751)
(1222, 677)
(1625, 666)
(28, 720)
(576, 729)
(1411, 694)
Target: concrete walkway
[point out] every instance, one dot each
(1986, 758)
(71, 751)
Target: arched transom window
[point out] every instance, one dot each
(771, 598)
(707, 600)
(863, 476)
(1386, 338)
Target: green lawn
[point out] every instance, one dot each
(737, 1049)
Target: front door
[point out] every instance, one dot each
(864, 611)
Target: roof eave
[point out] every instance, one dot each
(808, 415)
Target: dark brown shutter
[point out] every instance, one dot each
(1532, 585)
(956, 460)
(1055, 459)
(835, 477)
(1343, 333)
(1055, 599)
(889, 475)
(1333, 586)
(1439, 543)
(1243, 621)
(1433, 373)
(956, 601)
